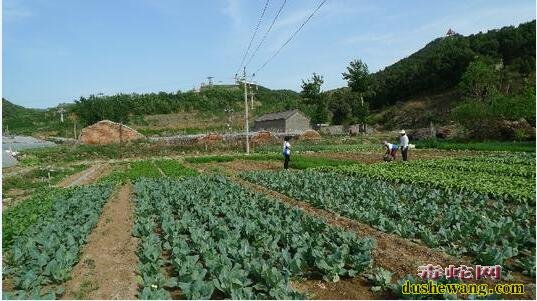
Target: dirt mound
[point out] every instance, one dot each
(108, 132)
(263, 137)
(210, 139)
(310, 135)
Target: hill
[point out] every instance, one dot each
(36, 122)
(439, 65)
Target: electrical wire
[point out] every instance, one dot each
(253, 35)
(291, 37)
(267, 32)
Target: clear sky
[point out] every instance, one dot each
(58, 50)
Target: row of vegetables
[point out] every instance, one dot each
(461, 223)
(149, 169)
(40, 257)
(501, 181)
(223, 241)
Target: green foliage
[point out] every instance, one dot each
(45, 253)
(495, 146)
(460, 223)
(379, 278)
(311, 95)
(148, 169)
(38, 178)
(440, 65)
(225, 240)
(358, 78)
(123, 107)
(18, 218)
(23, 121)
(480, 81)
(174, 169)
(346, 107)
(488, 179)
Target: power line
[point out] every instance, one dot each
(291, 37)
(253, 35)
(267, 32)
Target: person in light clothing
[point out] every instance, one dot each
(391, 151)
(286, 152)
(403, 143)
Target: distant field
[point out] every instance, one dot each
(506, 146)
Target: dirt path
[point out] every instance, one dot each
(107, 267)
(87, 176)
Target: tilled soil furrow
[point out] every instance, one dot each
(108, 264)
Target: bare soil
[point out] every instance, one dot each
(345, 289)
(236, 166)
(107, 267)
(87, 176)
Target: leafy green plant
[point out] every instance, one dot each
(43, 256)
(18, 218)
(223, 238)
(461, 223)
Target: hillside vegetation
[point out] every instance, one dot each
(24, 121)
(441, 63)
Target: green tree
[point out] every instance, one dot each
(358, 78)
(311, 89)
(311, 95)
(481, 80)
(347, 108)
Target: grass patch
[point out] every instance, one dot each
(174, 169)
(148, 169)
(38, 178)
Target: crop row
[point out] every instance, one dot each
(42, 257)
(226, 242)
(504, 158)
(460, 223)
(477, 166)
(149, 169)
(16, 219)
(495, 185)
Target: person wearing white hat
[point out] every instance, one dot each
(403, 142)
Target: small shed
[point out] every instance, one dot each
(286, 121)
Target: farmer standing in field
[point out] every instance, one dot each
(286, 152)
(403, 142)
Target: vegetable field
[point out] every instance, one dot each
(327, 228)
(41, 258)
(226, 242)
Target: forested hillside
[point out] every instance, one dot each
(211, 99)
(440, 65)
(23, 121)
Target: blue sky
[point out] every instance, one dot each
(58, 50)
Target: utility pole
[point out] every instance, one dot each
(74, 128)
(252, 99)
(210, 79)
(246, 111)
